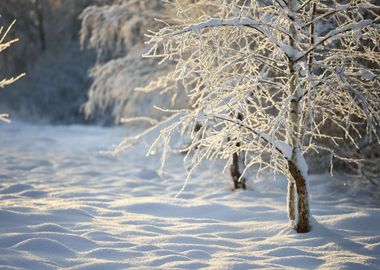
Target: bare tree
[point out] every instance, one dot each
(288, 67)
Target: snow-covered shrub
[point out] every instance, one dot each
(288, 67)
(4, 44)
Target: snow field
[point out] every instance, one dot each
(65, 206)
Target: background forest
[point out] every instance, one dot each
(49, 52)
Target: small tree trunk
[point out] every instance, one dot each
(291, 202)
(239, 181)
(302, 225)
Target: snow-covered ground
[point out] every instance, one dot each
(65, 206)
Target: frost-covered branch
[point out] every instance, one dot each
(336, 34)
(236, 22)
(283, 148)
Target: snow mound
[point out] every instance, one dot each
(15, 188)
(44, 246)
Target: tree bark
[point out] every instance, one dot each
(291, 202)
(239, 181)
(303, 224)
(294, 137)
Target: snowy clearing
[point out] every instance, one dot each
(65, 206)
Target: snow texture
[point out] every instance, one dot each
(65, 206)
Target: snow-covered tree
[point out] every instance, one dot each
(4, 44)
(116, 31)
(266, 77)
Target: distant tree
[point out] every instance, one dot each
(288, 67)
(116, 31)
(4, 44)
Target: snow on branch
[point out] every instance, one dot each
(283, 148)
(339, 9)
(114, 30)
(5, 117)
(5, 82)
(337, 34)
(237, 22)
(267, 30)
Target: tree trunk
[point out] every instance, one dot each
(291, 203)
(302, 225)
(239, 181)
(294, 138)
